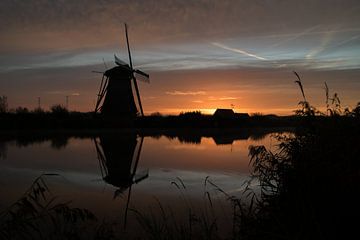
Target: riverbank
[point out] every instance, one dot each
(91, 121)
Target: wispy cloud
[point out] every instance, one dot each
(181, 93)
(186, 147)
(326, 39)
(295, 36)
(150, 97)
(67, 93)
(225, 98)
(236, 50)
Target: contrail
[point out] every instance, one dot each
(327, 38)
(237, 51)
(296, 36)
(346, 41)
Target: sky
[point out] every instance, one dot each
(201, 55)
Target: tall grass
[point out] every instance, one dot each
(309, 185)
(194, 221)
(37, 214)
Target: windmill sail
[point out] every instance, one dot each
(119, 62)
(142, 77)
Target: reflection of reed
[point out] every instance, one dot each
(3, 150)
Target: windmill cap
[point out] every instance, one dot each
(119, 72)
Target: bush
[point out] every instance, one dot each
(59, 110)
(21, 110)
(3, 104)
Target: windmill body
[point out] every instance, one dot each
(119, 98)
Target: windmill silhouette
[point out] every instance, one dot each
(119, 157)
(115, 97)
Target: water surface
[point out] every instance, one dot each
(99, 172)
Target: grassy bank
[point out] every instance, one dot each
(40, 120)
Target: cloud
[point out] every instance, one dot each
(55, 92)
(150, 98)
(186, 93)
(325, 41)
(67, 93)
(225, 98)
(236, 50)
(186, 147)
(292, 37)
(89, 23)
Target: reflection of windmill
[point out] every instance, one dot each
(115, 97)
(118, 159)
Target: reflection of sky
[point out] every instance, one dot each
(166, 160)
(79, 156)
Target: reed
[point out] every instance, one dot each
(37, 214)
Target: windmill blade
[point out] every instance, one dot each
(105, 64)
(131, 67)
(119, 62)
(141, 176)
(128, 45)
(102, 92)
(137, 157)
(142, 78)
(141, 73)
(101, 158)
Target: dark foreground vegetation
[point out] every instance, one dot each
(310, 185)
(77, 120)
(309, 188)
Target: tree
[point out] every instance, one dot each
(3, 104)
(21, 110)
(59, 110)
(356, 110)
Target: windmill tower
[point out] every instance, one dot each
(115, 97)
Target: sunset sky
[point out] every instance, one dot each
(201, 55)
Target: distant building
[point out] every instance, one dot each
(229, 114)
(224, 113)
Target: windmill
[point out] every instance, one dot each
(115, 97)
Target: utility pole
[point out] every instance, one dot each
(39, 103)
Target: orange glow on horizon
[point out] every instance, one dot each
(173, 92)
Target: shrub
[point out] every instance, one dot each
(59, 110)
(3, 104)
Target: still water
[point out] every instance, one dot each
(105, 172)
